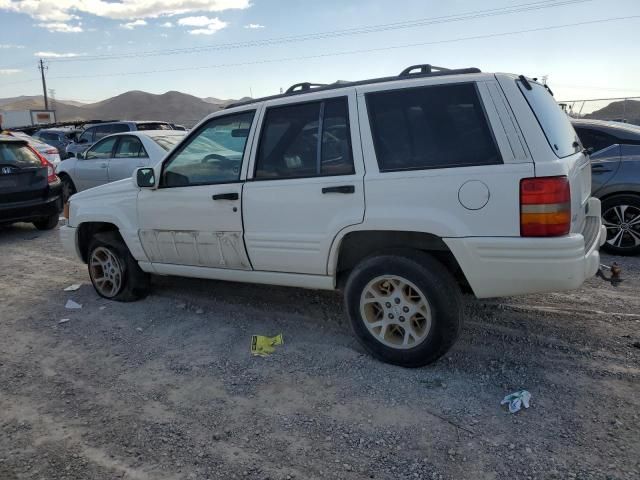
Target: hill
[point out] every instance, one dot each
(628, 111)
(176, 107)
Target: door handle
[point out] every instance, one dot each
(226, 196)
(599, 169)
(340, 189)
(103, 165)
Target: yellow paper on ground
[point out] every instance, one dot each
(263, 346)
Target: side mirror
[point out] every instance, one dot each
(145, 177)
(81, 155)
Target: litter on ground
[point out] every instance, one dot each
(64, 320)
(73, 288)
(264, 346)
(71, 305)
(516, 400)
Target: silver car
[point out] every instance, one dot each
(614, 149)
(115, 157)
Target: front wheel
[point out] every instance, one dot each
(48, 223)
(68, 188)
(405, 308)
(114, 273)
(621, 217)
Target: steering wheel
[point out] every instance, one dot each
(215, 156)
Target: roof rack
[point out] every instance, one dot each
(423, 70)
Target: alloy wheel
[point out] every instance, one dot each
(623, 226)
(106, 272)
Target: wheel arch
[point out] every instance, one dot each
(353, 246)
(87, 230)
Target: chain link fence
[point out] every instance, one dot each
(625, 110)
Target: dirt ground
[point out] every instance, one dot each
(165, 388)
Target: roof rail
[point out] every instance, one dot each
(304, 86)
(425, 70)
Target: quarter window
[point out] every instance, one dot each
(430, 127)
(305, 140)
(595, 139)
(87, 135)
(129, 147)
(213, 155)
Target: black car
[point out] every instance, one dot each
(614, 149)
(58, 138)
(30, 191)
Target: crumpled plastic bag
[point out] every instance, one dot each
(516, 400)
(264, 346)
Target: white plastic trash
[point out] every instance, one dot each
(516, 400)
(71, 305)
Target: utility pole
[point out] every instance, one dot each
(42, 68)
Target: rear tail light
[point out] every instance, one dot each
(545, 207)
(51, 151)
(51, 173)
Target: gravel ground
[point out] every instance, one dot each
(166, 388)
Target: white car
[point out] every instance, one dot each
(115, 157)
(403, 192)
(50, 153)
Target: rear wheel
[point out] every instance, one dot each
(48, 223)
(405, 308)
(68, 188)
(114, 273)
(621, 217)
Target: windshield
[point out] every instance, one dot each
(167, 142)
(554, 122)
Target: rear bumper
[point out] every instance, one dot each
(504, 266)
(31, 210)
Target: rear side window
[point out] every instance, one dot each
(305, 140)
(130, 147)
(118, 128)
(101, 132)
(153, 126)
(430, 127)
(594, 139)
(17, 155)
(554, 122)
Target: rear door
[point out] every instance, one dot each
(306, 183)
(129, 155)
(92, 169)
(22, 175)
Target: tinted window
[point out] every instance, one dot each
(48, 136)
(430, 127)
(213, 155)
(153, 126)
(101, 149)
(101, 132)
(14, 154)
(87, 135)
(595, 139)
(130, 146)
(118, 128)
(290, 145)
(554, 122)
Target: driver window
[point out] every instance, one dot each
(101, 150)
(213, 155)
(87, 136)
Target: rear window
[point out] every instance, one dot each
(18, 155)
(430, 127)
(554, 122)
(167, 142)
(153, 126)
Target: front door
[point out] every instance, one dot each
(307, 185)
(195, 217)
(92, 169)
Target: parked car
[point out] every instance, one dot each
(29, 188)
(47, 151)
(614, 149)
(58, 138)
(402, 191)
(94, 132)
(115, 157)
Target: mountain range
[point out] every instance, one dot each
(175, 107)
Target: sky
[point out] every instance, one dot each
(95, 49)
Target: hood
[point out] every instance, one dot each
(123, 186)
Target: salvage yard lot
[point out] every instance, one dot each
(165, 388)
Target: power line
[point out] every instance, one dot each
(544, 4)
(350, 52)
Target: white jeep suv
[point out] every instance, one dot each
(402, 191)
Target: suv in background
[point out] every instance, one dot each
(614, 148)
(402, 191)
(30, 191)
(58, 138)
(94, 132)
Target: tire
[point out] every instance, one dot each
(48, 223)
(68, 188)
(425, 289)
(621, 216)
(124, 280)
